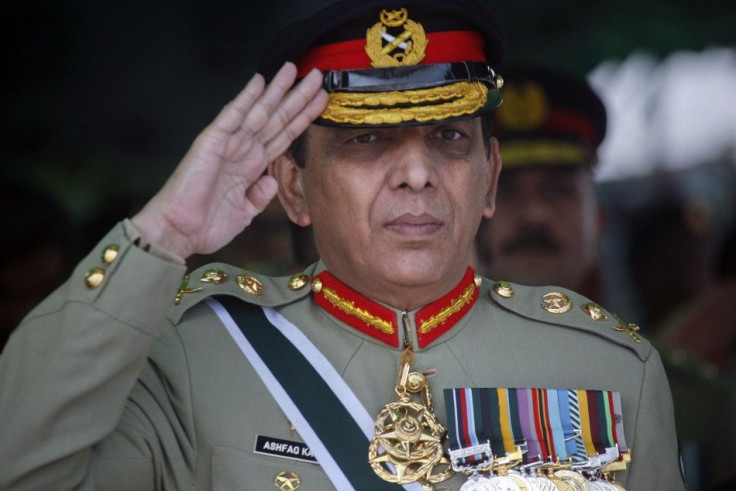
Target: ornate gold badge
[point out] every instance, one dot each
(396, 40)
(250, 284)
(214, 275)
(556, 303)
(407, 434)
(594, 311)
(525, 107)
(183, 289)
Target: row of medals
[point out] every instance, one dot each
(407, 447)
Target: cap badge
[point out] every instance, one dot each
(525, 107)
(405, 44)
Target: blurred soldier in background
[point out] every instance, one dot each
(548, 222)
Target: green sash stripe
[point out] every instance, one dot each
(314, 398)
(515, 419)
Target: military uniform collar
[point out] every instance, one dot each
(389, 325)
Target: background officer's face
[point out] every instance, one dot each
(546, 227)
(398, 208)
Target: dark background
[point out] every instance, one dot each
(125, 86)
(101, 99)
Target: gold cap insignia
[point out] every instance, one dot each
(525, 107)
(405, 44)
(556, 303)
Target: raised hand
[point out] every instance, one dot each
(219, 186)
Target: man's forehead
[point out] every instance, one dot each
(324, 130)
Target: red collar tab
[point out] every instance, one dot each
(381, 323)
(439, 316)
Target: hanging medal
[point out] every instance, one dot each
(407, 444)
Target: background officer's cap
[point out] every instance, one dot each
(548, 117)
(396, 62)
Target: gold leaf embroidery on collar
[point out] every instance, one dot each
(454, 307)
(350, 309)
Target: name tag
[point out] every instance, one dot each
(286, 449)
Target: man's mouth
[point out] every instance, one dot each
(414, 225)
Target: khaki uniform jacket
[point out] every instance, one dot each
(109, 388)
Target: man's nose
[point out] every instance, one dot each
(414, 167)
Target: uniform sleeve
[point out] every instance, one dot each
(68, 369)
(655, 462)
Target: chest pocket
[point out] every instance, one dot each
(236, 469)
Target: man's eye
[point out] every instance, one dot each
(450, 134)
(365, 138)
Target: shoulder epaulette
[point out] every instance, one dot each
(224, 279)
(556, 305)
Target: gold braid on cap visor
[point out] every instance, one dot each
(396, 107)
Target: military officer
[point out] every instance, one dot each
(390, 361)
(548, 223)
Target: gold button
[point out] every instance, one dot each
(94, 277)
(503, 289)
(316, 285)
(110, 253)
(287, 481)
(214, 275)
(556, 303)
(594, 311)
(499, 81)
(250, 284)
(297, 281)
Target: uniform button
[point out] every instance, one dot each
(110, 253)
(94, 277)
(316, 285)
(298, 281)
(503, 289)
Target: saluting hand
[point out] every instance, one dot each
(219, 186)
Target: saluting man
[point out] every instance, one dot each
(389, 362)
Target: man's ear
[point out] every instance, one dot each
(494, 166)
(291, 189)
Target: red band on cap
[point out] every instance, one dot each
(442, 47)
(572, 123)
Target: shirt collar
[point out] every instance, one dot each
(383, 323)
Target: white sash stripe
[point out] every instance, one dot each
(333, 471)
(318, 361)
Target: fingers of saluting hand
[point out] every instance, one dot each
(292, 117)
(273, 115)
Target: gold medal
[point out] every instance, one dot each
(407, 434)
